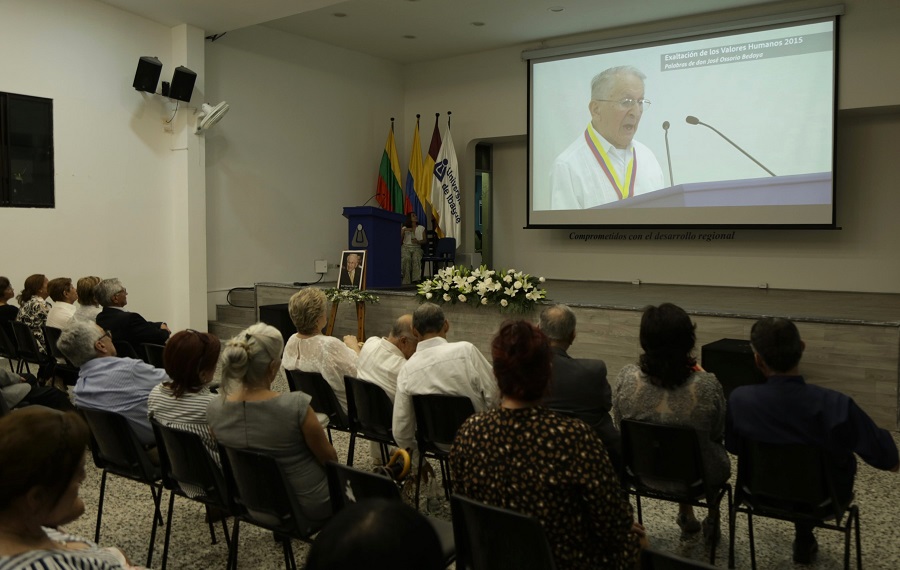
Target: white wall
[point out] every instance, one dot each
(487, 93)
(303, 139)
(114, 168)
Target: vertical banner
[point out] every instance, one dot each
(445, 190)
(388, 190)
(414, 193)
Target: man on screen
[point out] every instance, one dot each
(605, 163)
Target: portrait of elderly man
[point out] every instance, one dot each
(351, 270)
(605, 163)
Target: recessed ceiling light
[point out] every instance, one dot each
(477, 24)
(339, 15)
(409, 37)
(556, 8)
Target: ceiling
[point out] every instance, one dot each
(407, 31)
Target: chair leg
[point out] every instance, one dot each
(752, 544)
(157, 520)
(100, 507)
(289, 562)
(445, 478)
(233, 550)
(165, 554)
(732, 515)
(212, 529)
(855, 512)
(637, 501)
(419, 478)
(329, 436)
(225, 532)
(350, 449)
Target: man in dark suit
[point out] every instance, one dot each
(351, 273)
(125, 325)
(579, 387)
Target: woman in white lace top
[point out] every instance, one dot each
(311, 351)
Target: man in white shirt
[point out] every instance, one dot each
(381, 358)
(605, 163)
(64, 296)
(439, 367)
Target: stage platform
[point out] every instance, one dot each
(852, 339)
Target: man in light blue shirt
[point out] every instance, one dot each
(107, 382)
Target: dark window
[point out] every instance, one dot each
(26, 151)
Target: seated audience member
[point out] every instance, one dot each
(250, 415)
(190, 359)
(579, 386)
(33, 308)
(381, 358)
(311, 351)
(376, 534)
(7, 312)
(524, 457)
(125, 325)
(64, 296)
(87, 307)
(439, 367)
(42, 467)
(787, 410)
(106, 382)
(667, 387)
(18, 391)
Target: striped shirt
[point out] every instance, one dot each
(91, 557)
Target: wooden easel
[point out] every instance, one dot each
(360, 320)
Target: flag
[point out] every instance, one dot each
(413, 180)
(388, 190)
(424, 187)
(445, 190)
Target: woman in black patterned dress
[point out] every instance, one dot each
(523, 457)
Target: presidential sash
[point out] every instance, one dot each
(624, 190)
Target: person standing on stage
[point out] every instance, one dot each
(605, 163)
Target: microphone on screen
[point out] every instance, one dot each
(692, 120)
(668, 155)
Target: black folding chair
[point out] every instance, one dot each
(656, 455)
(347, 485)
(28, 349)
(117, 450)
(444, 255)
(323, 400)
(267, 500)
(489, 537)
(801, 489)
(62, 366)
(438, 418)
(188, 470)
(153, 354)
(370, 413)
(8, 348)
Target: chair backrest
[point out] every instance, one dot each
(658, 560)
(323, 399)
(430, 245)
(370, 409)
(26, 344)
(125, 349)
(51, 336)
(438, 417)
(655, 453)
(185, 461)
(261, 487)
(8, 348)
(446, 247)
(347, 485)
(489, 537)
(154, 354)
(791, 479)
(116, 448)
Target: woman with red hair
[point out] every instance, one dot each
(523, 457)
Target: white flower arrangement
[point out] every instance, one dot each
(350, 296)
(513, 291)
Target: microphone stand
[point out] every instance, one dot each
(668, 155)
(695, 121)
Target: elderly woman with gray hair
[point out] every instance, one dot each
(311, 351)
(250, 415)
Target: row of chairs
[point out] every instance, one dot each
(786, 482)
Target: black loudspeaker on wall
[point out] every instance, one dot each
(182, 84)
(147, 75)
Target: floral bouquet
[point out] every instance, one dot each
(350, 295)
(512, 291)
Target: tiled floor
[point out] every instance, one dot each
(128, 506)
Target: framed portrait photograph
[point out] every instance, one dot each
(352, 274)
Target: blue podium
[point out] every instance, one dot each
(378, 232)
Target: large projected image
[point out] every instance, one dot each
(727, 130)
